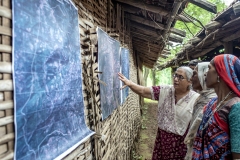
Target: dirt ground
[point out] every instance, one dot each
(145, 143)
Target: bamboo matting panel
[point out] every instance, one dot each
(6, 87)
(121, 128)
(115, 135)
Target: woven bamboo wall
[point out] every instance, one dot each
(116, 134)
(6, 96)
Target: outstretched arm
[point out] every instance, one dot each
(140, 90)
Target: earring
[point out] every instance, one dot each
(218, 79)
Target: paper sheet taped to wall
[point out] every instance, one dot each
(49, 109)
(109, 64)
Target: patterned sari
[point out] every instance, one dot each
(213, 142)
(218, 134)
(205, 96)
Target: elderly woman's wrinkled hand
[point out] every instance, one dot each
(126, 81)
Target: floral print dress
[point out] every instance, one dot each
(173, 122)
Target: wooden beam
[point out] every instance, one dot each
(175, 38)
(231, 37)
(135, 10)
(166, 52)
(146, 22)
(205, 51)
(144, 6)
(205, 5)
(155, 25)
(228, 47)
(147, 30)
(109, 13)
(236, 8)
(195, 40)
(143, 37)
(143, 43)
(182, 18)
(232, 23)
(170, 21)
(213, 25)
(188, 46)
(210, 47)
(217, 34)
(147, 56)
(170, 43)
(145, 50)
(178, 32)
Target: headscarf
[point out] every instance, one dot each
(202, 69)
(205, 96)
(228, 68)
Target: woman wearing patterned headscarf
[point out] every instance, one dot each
(199, 85)
(218, 135)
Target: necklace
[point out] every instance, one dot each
(209, 116)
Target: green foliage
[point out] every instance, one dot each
(202, 15)
(146, 100)
(164, 76)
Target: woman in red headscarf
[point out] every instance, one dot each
(218, 136)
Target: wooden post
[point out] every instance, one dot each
(228, 47)
(109, 13)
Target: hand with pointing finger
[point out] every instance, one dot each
(126, 81)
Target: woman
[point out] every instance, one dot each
(174, 112)
(199, 85)
(218, 136)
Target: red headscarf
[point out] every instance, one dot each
(228, 68)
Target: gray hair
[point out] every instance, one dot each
(188, 71)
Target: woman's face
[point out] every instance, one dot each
(195, 80)
(211, 76)
(180, 81)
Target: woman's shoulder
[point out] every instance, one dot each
(193, 93)
(236, 101)
(236, 105)
(211, 93)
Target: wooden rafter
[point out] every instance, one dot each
(154, 24)
(145, 29)
(137, 41)
(134, 10)
(205, 5)
(148, 7)
(175, 38)
(146, 56)
(143, 36)
(153, 33)
(146, 49)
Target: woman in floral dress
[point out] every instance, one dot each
(175, 106)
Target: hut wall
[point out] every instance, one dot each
(114, 136)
